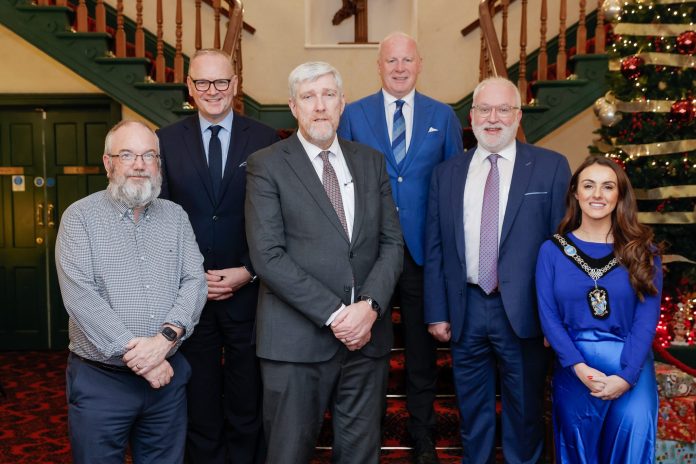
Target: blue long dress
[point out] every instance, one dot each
(588, 430)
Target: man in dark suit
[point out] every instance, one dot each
(489, 211)
(415, 133)
(325, 241)
(204, 163)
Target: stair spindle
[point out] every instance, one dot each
(522, 78)
(561, 57)
(60, 2)
(100, 16)
(82, 24)
(178, 57)
(504, 36)
(139, 31)
(42, 3)
(120, 31)
(482, 59)
(199, 38)
(582, 30)
(542, 58)
(159, 60)
(600, 34)
(216, 9)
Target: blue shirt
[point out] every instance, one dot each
(563, 308)
(224, 135)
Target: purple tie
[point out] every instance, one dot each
(488, 248)
(333, 191)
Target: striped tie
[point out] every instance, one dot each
(488, 247)
(399, 133)
(333, 190)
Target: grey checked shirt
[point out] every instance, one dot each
(122, 279)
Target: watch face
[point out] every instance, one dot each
(169, 334)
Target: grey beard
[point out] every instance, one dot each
(135, 196)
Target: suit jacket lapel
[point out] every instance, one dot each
(458, 177)
(194, 148)
(521, 175)
(422, 115)
(373, 111)
(299, 162)
(239, 138)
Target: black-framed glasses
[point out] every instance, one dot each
(501, 110)
(202, 85)
(128, 157)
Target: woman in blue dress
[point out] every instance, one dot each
(598, 284)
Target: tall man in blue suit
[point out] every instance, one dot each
(489, 211)
(415, 133)
(204, 163)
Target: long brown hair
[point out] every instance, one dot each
(633, 242)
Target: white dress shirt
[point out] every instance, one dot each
(473, 201)
(406, 109)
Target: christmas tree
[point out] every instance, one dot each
(649, 127)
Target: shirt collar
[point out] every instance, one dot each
(122, 209)
(226, 123)
(313, 150)
(408, 98)
(508, 152)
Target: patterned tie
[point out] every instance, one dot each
(399, 133)
(215, 158)
(330, 181)
(488, 248)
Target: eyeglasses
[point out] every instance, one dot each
(128, 157)
(202, 85)
(503, 111)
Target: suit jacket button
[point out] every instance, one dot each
(350, 255)
(215, 218)
(400, 179)
(346, 288)
(208, 250)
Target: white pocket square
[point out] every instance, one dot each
(432, 129)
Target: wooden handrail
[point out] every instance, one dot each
(474, 25)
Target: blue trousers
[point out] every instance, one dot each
(107, 409)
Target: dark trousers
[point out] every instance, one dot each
(224, 399)
(107, 409)
(489, 347)
(296, 395)
(419, 351)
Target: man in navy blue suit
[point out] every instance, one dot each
(415, 133)
(489, 211)
(204, 163)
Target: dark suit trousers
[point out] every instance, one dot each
(224, 401)
(489, 346)
(420, 351)
(296, 395)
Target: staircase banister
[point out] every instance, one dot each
(234, 28)
(490, 37)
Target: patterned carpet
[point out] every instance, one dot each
(33, 416)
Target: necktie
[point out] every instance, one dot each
(333, 191)
(399, 133)
(488, 247)
(215, 158)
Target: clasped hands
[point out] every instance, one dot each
(353, 325)
(600, 385)
(146, 356)
(222, 283)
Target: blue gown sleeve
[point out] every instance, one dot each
(549, 311)
(640, 337)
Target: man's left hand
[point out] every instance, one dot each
(353, 324)
(145, 353)
(222, 283)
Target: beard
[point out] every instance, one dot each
(135, 194)
(495, 142)
(321, 133)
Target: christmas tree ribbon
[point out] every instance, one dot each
(661, 193)
(661, 59)
(662, 29)
(655, 106)
(650, 149)
(675, 217)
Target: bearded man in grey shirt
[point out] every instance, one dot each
(133, 284)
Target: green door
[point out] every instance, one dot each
(50, 156)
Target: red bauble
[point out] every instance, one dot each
(682, 111)
(686, 43)
(632, 67)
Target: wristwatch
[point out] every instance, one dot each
(253, 276)
(169, 333)
(373, 304)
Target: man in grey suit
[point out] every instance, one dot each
(324, 238)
